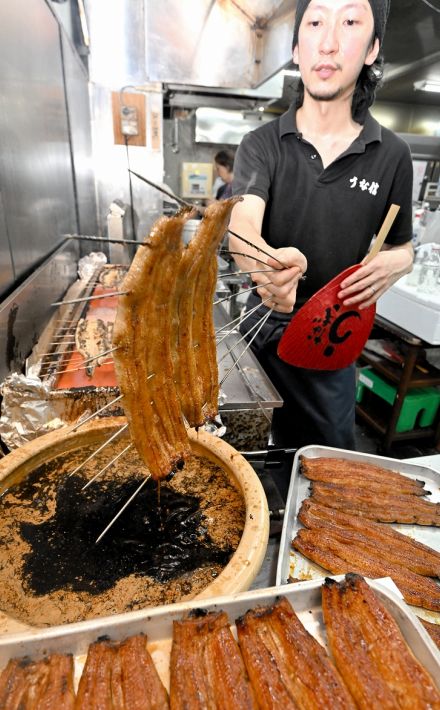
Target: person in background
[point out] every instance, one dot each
(224, 165)
(317, 183)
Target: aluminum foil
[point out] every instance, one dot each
(88, 264)
(27, 410)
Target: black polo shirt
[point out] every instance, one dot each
(329, 214)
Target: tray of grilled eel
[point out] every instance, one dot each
(353, 512)
(340, 643)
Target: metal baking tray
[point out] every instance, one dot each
(294, 564)
(305, 598)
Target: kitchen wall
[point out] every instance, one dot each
(117, 64)
(180, 145)
(46, 177)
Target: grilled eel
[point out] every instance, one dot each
(211, 232)
(193, 337)
(95, 689)
(389, 544)
(41, 685)
(433, 630)
(362, 480)
(120, 676)
(207, 670)
(328, 469)
(288, 668)
(370, 651)
(143, 361)
(328, 550)
(92, 338)
(386, 508)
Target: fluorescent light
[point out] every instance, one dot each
(291, 72)
(427, 85)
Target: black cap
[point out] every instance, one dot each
(381, 9)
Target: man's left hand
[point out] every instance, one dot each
(364, 286)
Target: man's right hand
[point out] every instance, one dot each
(280, 285)
(280, 282)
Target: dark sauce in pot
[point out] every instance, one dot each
(165, 547)
(162, 542)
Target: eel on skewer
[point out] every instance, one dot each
(327, 549)
(385, 508)
(92, 338)
(207, 670)
(288, 668)
(40, 685)
(387, 542)
(433, 630)
(193, 344)
(210, 232)
(329, 469)
(370, 651)
(143, 362)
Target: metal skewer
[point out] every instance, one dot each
(243, 290)
(86, 237)
(98, 411)
(118, 456)
(105, 352)
(246, 273)
(55, 356)
(245, 317)
(168, 193)
(82, 367)
(242, 319)
(259, 249)
(62, 342)
(261, 324)
(106, 443)
(90, 298)
(241, 253)
(201, 210)
(229, 351)
(123, 508)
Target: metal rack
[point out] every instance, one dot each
(406, 377)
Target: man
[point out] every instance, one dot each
(317, 184)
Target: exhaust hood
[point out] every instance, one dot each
(222, 43)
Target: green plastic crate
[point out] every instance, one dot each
(420, 405)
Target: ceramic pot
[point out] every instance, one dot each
(246, 561)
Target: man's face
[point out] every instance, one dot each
(334, 43)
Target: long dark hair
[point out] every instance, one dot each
(369, 80)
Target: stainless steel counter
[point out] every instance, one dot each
(249, 396)
(247, 386)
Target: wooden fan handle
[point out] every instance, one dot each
(385, 228)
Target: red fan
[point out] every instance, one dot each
(324, 334)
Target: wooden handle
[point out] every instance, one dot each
(385, 228)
